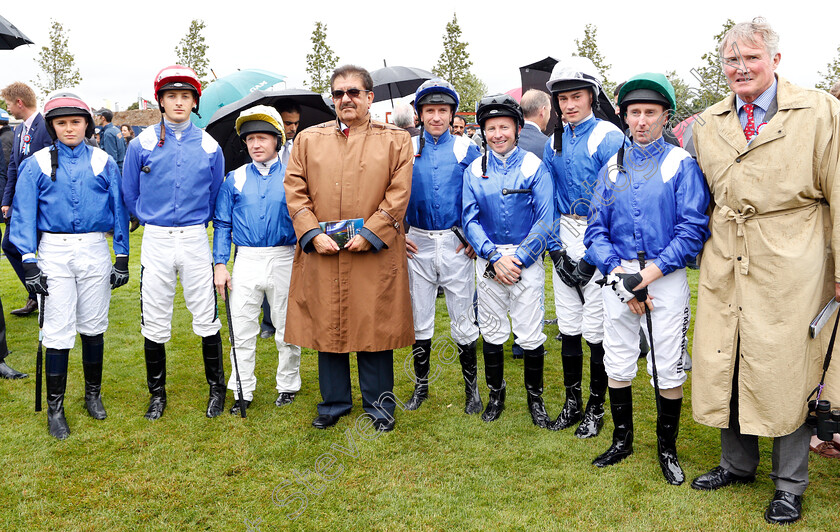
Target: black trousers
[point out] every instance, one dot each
(376, 381)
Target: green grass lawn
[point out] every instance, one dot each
(438, 470)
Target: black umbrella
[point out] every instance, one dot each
(10, 36)
(397, 81)
(313, 110)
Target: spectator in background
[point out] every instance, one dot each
(127, 133)
(835, 90)
(109, 136)
(616, 90)
(470, 131)
(404, 118)
(5, 371)
(458, 125)
(29, 137)
(6, 138)
(290, 113)
(536, 106)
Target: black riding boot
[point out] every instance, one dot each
(494, 370)
(534, 361)
(421, 353)
(469, 368)
(593, 416)
(214, 369)
(667, 429)
(92, 351)
(56, 364)
(155, 378)
(572, 356)
(621, 406)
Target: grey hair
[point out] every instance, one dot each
(403, 115)
(747, 31)
(835, 90)
(532, 101)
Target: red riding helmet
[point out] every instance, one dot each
(178, 77)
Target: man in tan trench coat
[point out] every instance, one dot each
(770, 155)
(355, 298)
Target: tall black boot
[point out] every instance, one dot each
(421, 352)
(667, 429)
(56, 366)
(534, 361)
(6, 372)
(92, 351)
(494, 371)
(155, 378)
(214, 369)
(469, 369)
(572, 356)
(593, 416)
(621, 405)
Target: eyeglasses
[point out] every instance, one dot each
(353, 93)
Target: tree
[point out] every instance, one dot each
(321, 62)
(192, 51)
(133, 107)
(832, 74)
(588, 47)
(713, 85)
(454, 66)
(58, 65)
(688, 101)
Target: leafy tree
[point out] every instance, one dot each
(58, 65)
(688, 101)
(832, 74)
(588, 47)
(133, 107)
(454, 66)
(712, 82)
(192, 51)
(321, 62)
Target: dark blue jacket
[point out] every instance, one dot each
(533, 140)
(39, 138)
(113, 144)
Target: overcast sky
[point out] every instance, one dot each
(119, 49)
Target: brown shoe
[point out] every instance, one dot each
(30, 307)
(826, 449)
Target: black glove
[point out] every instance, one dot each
(583, 273)
(119, 272)
(490, 271)
(564, 266)
(623, 285)
(34, 280)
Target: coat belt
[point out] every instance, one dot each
(747, 213)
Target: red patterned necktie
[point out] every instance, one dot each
(749, 129)
(346, 131)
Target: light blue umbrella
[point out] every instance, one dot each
(232, 88)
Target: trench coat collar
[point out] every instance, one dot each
(788, 97)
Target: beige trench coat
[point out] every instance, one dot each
(350, 301)
(768, 267)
